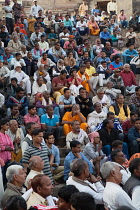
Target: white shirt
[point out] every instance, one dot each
(44, 45)
(35, 9)
(30, 176)
(14, 61)
(98, 196)
(79, 24)
(8, 10)
(38, 89)
(25, 145)
(114, 197)
(98, 18)
(21, 76)
(136, 197)
(111, 6)
(2, 100)
(95, 118)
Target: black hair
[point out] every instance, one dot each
(18, 89)
(116, 143)
(63, 72)
(66, 192)
(35, 132)
(73, 71)
(132, 113)
(82, 88)
(48, 107)
(116, 56)
(110, 113)
(82, 201)
(114, 154)
(17, 54)
(29, 125)
(66, 90)
(103, 62)
(31, 107)
(2, 26)
(16, 202)
(47, 134)
(3, 122)
(95, 104)
(137, 88)
(14, 79)
(137, 119)
(42, 36)
(13, 105)
(134, 164)
(105, 122)
(82, 65)
(74, 143)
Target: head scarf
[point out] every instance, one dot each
(92, 136)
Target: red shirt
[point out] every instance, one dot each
(75, 83)
(126, 126)
(128, 78)
(57, 81)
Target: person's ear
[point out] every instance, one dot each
(136, 172)
(112, 172)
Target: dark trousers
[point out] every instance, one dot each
(4, 169)
(134, 147)
(135, 69)
(9, 25)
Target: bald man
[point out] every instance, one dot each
(36, 165)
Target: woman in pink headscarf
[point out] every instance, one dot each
(93, 151)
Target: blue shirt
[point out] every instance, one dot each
(69, 159)
(127, 53)
(70, 100)
(55, 151)
(117, 126)
(133, 134)
(105, 35)
(116, 65)
(100, 59)
(45, 119)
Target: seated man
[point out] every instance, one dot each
(36, 165)
(42, 101)
(77, 134)
(17, 136)
(66, 101)
(110, 52)
(116, 64)
(43, 44)
(103, 57)
(129, 79)
(93, 151)
(59, 84)
(74, 154)
(117, 81)
(121, 111)
(134, 101)
(50, 123)
(102, 99)
(31, 64)
(14, 114)
(111, 92)
(18, 58)
(7, 57)
(36, 51)
(20, 99)
(57, 170)
(32, 116)
(39, 86)
(90, 70)
(23, 79)
(35, 36)
(96, 117)
(134, 137)
(79, 179)
(82, 28)
(130, 122)
(129, 53)
(85, 79)
(105, 36)
(4, 75)
(56, 52)
(108, 135)
(42, 190)
(16, 178)
(46, 62)
(69, 117)
(11, 88)
(85, 102)
(135, 64)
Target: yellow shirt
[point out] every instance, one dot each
(121, 114)
(90, 71)
(82, 9)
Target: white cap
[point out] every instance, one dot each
(17, 64)
(34, 0)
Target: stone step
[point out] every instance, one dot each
(62, 142)
(62, 161)
(62, 152)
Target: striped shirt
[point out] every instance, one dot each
(43, 153)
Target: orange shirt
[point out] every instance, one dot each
(68, 117)
(86, 75)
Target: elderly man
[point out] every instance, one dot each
(17, 136)
(132, 186)
(129, 79)
(42, 190)
(35, 36)
(69, 117)
(134, 101)
(92, 186)
(120, 110)
(16, 178)
(102, 99)
(56, 52)
(96, 117)
(23, 79)
(36, 165)
(77, 134)
(75, 153)
(114, 196)
(38, 86)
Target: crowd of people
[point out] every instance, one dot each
(59, 87)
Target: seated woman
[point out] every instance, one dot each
(70, 62)
(46, 62)
(74, 83)
(97, 48)
(42, 100)
(93, 26)
(46, 77)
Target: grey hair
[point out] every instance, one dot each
(100, 90)
(11, 121)
(107, 168)
(126, 64)
(11, 171)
